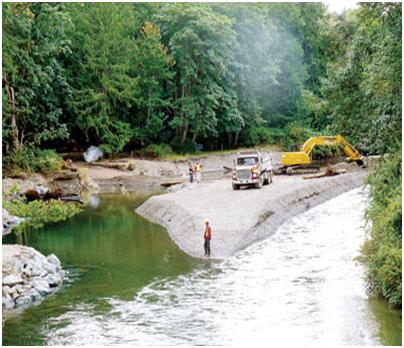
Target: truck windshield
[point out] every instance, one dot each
(245, 161)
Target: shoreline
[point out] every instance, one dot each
(239, 218)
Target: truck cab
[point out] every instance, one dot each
(251, 169)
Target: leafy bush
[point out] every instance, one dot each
(187, 147)
(295, 133)
(259, 135)
(157, 150)
(383, 250)
(47, 161)
(27, 159)
(39, 213)
(277, 135)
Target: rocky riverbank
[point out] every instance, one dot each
(239, 218)
(28, 276)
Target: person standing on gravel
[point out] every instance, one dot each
(191, 172)
(198, 168)
(207, 236)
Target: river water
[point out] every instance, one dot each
(131, 284)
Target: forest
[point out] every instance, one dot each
(173, 77)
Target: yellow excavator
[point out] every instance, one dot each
(294, 161)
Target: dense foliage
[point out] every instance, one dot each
(125, 76)
(384, 249)
(39, 213)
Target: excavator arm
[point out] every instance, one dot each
(304, 156)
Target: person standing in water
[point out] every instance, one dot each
(207, 236)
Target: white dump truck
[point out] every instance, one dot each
(251, 168)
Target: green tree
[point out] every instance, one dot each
(104, 89)
(152, 65)
(201, 43)
(363, 90)
(35, 87)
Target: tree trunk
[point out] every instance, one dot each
(14, 129)
(184, 134)
(236, 140)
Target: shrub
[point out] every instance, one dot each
(39, 213)
(295, 133)
(383, 250)
(27, 159)
(157, 150)
(187, 147)
(47, 161)
(258, 135)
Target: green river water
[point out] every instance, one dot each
(129, 283)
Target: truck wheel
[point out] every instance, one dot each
(266, 178)
(236, 187)
(258, 185)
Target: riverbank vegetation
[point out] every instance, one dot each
(39, 213)
(162, 78)
(384, 249)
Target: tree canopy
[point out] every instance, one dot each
(124, 75)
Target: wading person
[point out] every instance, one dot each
(207, 236)
(191, 173)
(198, 168)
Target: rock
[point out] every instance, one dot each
(43, 288)
(62, 273)
(18, 288)
(37, 268)
(42, 190)
(12, 279)
(34, 294)
(50, 268)
(6, 289)
(6, 216)
(92, 154)
(23, 301)
(18, 265)
(15, 220)
(8, 303)
(52, 258)
(53, 280)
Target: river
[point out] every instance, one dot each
(129, 283)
